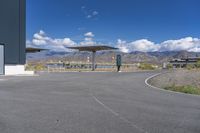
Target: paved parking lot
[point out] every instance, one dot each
(93, 103)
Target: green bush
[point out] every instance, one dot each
(39, 67)
(35, 67)
(193, 66)
(29, 67)
(169, 66)
(197, 65)
(185, 89)
(190, 66)
(146, 66)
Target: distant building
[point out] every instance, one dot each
(183, 62)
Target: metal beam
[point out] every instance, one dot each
(93, 60)
(34, 50)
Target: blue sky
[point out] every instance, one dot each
(115, 22)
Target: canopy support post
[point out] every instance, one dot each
(93, 60)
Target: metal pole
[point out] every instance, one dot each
(93, 60)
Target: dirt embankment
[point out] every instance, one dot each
(179, 77)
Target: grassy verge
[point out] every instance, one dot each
(184, 89)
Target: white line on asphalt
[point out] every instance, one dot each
(146, 81)
(118, 115)
(109, 109)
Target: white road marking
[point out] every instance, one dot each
(146, 82)
(117, 114)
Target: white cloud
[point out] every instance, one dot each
(144, 45)
(88, 43)
(88, 39)
(28, 43)
(42, 32)
(39, 42)
(89, 34)
(89, 14)
(94, 13)
(188, 43)
(122, 45)
(64, 42)
(40, 39)
(196, 49)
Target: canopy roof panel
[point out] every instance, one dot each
(92, 48)
(33, 50)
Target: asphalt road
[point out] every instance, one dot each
(94, 103)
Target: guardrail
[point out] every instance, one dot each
(87, 67)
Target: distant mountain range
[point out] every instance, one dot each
(107, 56)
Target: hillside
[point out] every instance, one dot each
(107, 56)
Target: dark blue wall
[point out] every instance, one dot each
(12, 30)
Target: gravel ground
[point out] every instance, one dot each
(179, 77)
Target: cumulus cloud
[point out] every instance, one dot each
(88, 42)
(40, 39)
(28, 43)
(88, 39)
(144, 45)
(123, 46)
(188, 43)
(89, 34)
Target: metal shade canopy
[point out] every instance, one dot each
(34, 50)
(93, 49)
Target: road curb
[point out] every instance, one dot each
(169, 91)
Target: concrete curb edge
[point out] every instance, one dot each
(169, 91)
